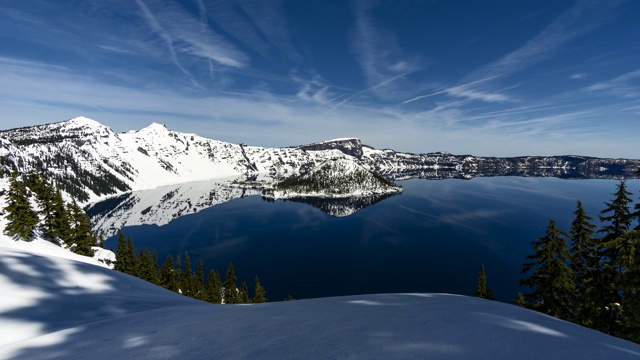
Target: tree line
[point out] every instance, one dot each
(35, 206)
(178, 276)
(588, 276)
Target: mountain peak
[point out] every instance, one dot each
(84, 121)
(155, 128)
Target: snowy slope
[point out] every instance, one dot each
(63, 309)
(41, 246)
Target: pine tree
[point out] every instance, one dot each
(214, 287)
(230, 290)
(585, 264)
(147, 269)
(551, 280)
(60, 217)
(243, 294)
(81, 237)
(121, 260)
(132, 259)
(168, 275)
(259, 294)
(520, 300)
(44, 198)
(22, 219)
(617, 219)
(187, 277)
(482, 290)
(200, 292)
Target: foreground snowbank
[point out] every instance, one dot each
(53, 307)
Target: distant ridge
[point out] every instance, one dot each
(90, 161)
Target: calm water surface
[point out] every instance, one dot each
(431, 238)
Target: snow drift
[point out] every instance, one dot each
(52, 307)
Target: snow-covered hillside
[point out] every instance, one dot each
(56, 308)
(90, 161)
(340, 178)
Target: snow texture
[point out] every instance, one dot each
(57, 308)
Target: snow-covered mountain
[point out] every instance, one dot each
(339, 178)
(57, 308)
(90, 161)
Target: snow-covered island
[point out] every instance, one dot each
(334, 178)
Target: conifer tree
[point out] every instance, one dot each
(214, 287)
(230, 290)
(243, 294)
(121, 260)
(259, 294)
(22, 219)
(60, 217)
(132, 259)
(168, 276)
(81, 237)
(551, 279)
(187, 277)
(146, 267)
(44, 198)
(482, 290)
(520, 300)
(585, 264)
(200, 292)
(617, 220)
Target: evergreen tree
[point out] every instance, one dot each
(132, 259)
(44, 198)
(200, 292)
(22, 219)
(60, 217)
(230, 290)
(259, 294)
(551, 280)
(187, 277)
(81, 237)
(146, 267)
(520, 300)
(617, 216)
(214, 287)
(585, 264)
(624, 317)
(617, 219)
(168, 275)
(126, 259)
(243, 294)
(482, 290)
(121, 259)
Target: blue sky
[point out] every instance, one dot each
(500, 78)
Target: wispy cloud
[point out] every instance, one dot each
(183, 34)
(269, 18)
(466, 91)
(379, 55)
(580, 19)
(626, 85)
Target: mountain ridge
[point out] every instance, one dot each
(90, 161)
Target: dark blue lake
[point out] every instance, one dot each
(432, 238)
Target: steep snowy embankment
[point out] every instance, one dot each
(59, 308)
